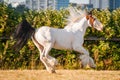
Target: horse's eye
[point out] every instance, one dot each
(90, 15)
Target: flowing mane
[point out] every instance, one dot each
(75, 14)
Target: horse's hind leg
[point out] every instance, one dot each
(43, 57)
(49, 60)
(43, 54)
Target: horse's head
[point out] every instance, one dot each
(93, 22)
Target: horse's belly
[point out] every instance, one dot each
(62, 45)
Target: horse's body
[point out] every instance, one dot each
(61, 38)
(71, 37)
(56, 36)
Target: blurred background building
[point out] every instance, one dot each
(58, 4)
(40, 4)
(113, 4)
(45, 4)
(61, 4)
(100, 4)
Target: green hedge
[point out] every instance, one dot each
(105, 53)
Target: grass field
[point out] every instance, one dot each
(60, 75)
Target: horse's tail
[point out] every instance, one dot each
(23, 32)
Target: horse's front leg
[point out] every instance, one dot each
(85, 58)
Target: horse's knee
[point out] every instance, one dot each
(42, 58)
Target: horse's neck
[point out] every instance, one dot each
(78, 26)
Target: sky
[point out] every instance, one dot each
(74, 1)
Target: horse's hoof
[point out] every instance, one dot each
(50, 70)
(93, 67)
(53, 71)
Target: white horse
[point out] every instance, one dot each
(46, 38)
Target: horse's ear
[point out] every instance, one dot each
(90, 12)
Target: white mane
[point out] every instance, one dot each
(75, 14)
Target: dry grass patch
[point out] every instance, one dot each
(60, 75)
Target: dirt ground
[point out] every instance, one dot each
(59, 75)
